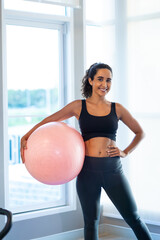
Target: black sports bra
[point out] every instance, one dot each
(98, 126)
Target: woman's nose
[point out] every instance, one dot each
(104, 84)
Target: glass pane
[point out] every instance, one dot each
(38, 7)
(145, 162)
(143, 66)
(26, 194)
(100, 47)
(33, 92)
(142, 7)
(100, 10)
(32, 70)
(100, 44)
(32, 101)
(143, 95)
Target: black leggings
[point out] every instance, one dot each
(107, 172)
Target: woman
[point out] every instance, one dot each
(98, 120)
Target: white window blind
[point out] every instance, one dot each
(67, 3)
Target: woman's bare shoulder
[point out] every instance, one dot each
(123, 113)
(77, 102)
(119, 109)
(77, 106)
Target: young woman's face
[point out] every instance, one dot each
(101, 83)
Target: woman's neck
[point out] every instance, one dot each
(97, 100)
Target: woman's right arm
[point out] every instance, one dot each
(70, 110)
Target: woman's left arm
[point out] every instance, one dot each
(124, 115)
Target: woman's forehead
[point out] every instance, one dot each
(103, 72)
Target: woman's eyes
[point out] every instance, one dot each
(108, 80)
(101, 79)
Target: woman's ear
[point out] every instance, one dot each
(90, 81)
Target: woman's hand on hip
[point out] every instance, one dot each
(114, 151)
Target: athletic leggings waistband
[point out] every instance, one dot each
(105, 164)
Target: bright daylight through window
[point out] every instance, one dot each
(33, 92)
(137, 79)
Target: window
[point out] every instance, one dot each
(37, 7)
(143, 82)
(99, 40)
(37, 54)
(100, 32)
(129, 42)
(102, 11)
(33, 93)
(142, 7)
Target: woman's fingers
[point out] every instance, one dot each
(23, 148)
(22, 155)
(113, 151)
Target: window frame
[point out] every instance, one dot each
(65, 25)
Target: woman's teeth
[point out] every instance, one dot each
(103, 89)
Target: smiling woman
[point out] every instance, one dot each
(101, 81)
(87, 85)
(102, 168)
(98, 119)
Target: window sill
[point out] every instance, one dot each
(41, 213)
(70, 206)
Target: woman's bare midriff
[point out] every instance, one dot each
(98, 146)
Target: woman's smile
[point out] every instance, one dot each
(103, 89)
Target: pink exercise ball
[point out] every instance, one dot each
(55, 153)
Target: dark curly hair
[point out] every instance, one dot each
(90, 73)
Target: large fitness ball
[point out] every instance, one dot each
(55, 153)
